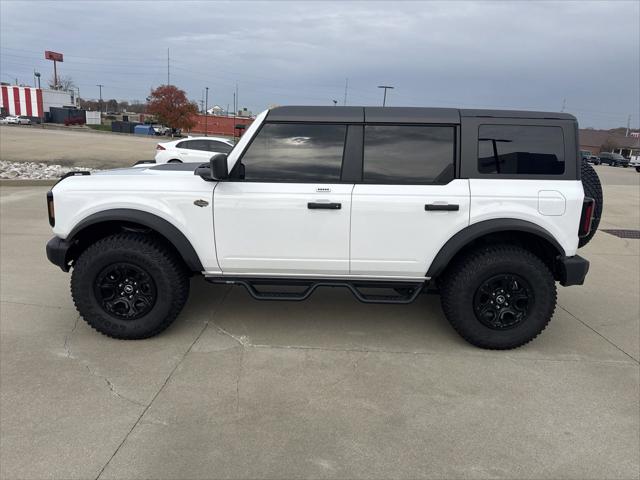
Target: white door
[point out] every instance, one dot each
(398, 230)
(408, 204)
(192, 151)
(282, 228)
(290, 214)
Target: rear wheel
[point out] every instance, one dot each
(592, 188)
(498, 297)
(129, 286)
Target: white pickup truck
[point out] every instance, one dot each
(488, 208)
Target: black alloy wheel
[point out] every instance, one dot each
(503, 301)
(125, 291)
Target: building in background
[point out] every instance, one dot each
(31, 102)
(596, 141)
(221, 125)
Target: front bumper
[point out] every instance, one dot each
(57, 250)
(572, 270)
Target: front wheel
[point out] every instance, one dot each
(498, 297)
(129, 286)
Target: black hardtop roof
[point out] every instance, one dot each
(328, 114)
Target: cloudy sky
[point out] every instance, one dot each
(527, 55)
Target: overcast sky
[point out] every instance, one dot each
(519, 55)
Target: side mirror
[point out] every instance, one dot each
(219, 167)
(215, 170)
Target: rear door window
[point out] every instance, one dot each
(194, 145)
(520, 150)
(216, 146)
(406, 154)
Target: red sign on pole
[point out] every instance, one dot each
(55, 56)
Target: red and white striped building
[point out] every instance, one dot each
(25, 101)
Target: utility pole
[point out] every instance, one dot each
(384, 98)
(628, 125)
(168, 76)
(564, 104)
(346, 87)
(100, 103)
(206, 107)
(237, 98)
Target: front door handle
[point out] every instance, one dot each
(443, 207)
(324, 206)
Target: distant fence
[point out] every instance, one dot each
(220, 125)
(64, 115)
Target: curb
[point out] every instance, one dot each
(11, 182)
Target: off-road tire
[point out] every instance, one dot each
(464, 277)
(153, 256)
(592, 188)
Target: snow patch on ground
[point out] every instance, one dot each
(36, 170)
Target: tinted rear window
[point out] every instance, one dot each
(216, 146)
(520, 149)
(403, 154)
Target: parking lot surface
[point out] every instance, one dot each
(75, 148)
(327, 388)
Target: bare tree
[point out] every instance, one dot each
(112, 105)
(65, 82)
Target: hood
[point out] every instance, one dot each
(153, 169)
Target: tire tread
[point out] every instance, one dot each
(460, 275)
(146, 245)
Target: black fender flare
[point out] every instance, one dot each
(151, 221)
(480, 229)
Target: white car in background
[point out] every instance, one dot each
(16, 120)
(192, 149)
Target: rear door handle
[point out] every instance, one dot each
(324, 206)
(445, 207)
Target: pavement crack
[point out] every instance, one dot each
(112, 388)
(240, 368)
(67, 338)
(164, 384)
(242, 340)
(599, 334)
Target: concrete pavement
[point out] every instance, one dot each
(328, 388)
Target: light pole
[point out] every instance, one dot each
(206, 107)
(100, 103)
(335, 103)
(384, 98)
(37, 75)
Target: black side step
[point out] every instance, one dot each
(407, 291)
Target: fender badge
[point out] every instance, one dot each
(201, 203)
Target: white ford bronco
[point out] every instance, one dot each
(487, 208)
